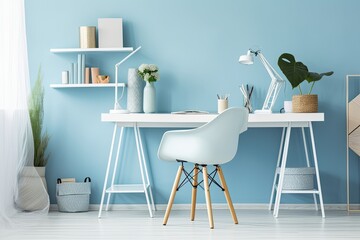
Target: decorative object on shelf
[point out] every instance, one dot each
(296, 73)
(275, 84)
(94, 74)
(103, 78)
(150, 74)
(117, 106)
(135, 92)
(247, 93)
(87, 75)
(87, 37)
(65, 77)
(110, 32)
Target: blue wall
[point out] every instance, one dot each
(196, 45)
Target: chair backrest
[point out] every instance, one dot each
(213, 143)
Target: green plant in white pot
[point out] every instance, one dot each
(33, 194)
(296, 73)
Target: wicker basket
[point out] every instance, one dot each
(305, 103)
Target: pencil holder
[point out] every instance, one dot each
(222, 105)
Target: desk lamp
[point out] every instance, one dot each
(117, 106)
(276, 80)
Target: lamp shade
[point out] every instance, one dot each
(247, 59)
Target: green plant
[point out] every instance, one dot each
(297, 72)
(36, 112)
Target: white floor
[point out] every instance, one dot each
(136, 224)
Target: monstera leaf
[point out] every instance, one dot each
(313, 77)
(295, 72)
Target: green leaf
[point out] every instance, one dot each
(295, 72)
(313, 77)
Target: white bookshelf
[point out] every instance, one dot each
(89, 50)
(90, 85)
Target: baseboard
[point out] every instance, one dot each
(239, 206)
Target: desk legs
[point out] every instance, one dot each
(282, 170)
(143, 169)
(316, 170)
(107, 170)
(282, 158)
(127, 188)
(277, 165)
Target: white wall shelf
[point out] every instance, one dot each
(97, 85)
(89, 50)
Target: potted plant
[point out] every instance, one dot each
(33, 194)
(296, 73)
(150, 74)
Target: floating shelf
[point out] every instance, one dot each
(89, 50)
(96, 85)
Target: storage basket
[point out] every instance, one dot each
(73, 196)
(298, 178)
(305, 103)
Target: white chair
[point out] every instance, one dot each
(214, 143)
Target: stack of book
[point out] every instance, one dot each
(77, 70)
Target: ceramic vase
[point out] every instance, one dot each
(32, 195)
(149, 103)
(135, 92)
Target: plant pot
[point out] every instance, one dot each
(305, 103)
(32, 195)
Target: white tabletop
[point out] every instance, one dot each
(193, 120)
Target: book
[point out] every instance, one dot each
(71, 73)
(63, 180)
(82, 68)
(79, 75)
(75, 79)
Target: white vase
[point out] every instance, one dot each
(149, 103)
(32, 195)
(135, 91)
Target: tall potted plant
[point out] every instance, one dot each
(296, 73)
(32, 184)
(36, 112)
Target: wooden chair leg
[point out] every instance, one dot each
(227, 194)
(207, 197)
(194, 192)
(172, 195)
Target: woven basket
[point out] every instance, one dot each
(305, 103)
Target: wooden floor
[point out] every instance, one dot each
(253, 224)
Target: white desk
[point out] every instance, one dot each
(286, 121)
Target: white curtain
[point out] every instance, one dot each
(16, 143)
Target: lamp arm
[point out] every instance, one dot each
(116, 102)
(275, 85)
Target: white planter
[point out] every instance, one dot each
(32, 193)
